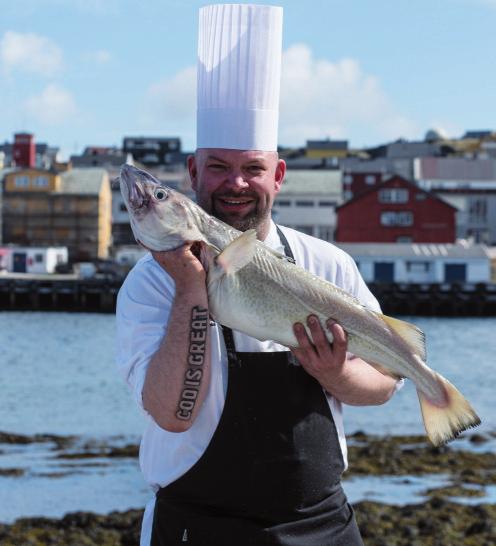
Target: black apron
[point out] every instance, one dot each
(271, 473)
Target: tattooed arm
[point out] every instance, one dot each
(178, 375)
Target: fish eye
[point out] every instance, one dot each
(160, 194)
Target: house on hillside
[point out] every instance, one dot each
(396, 211)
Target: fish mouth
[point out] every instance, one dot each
(133, 183)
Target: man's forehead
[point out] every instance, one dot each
(229, 155)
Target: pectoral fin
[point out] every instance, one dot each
(238, 253)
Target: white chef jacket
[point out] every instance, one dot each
(143, 308)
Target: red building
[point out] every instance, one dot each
(24, 150)
(357, 183)
(395, 211)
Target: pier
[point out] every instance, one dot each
(24, 292)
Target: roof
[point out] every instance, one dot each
(415, 250)
(320, 182)
(386, 183)
(327, 144)
(82, 181)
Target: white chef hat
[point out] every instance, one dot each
(239, 72)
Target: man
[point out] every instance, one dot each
(256, 458)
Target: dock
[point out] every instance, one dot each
(25, 292)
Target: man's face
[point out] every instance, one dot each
(237, 186)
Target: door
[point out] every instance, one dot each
(455, 272)
(384, 272)
(19, 262)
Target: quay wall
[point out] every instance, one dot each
(69, 293)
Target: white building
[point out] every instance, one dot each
(467, 184)
(32, 259)
(308, 200)
(421, 263)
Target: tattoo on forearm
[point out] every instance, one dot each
(196, 360)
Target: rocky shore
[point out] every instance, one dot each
(469, 468)
(434, 523)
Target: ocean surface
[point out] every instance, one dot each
(57, 376)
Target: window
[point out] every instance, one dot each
(305, 229)
(282, 203)
(327, 204)
(404, 239)
(122, 207)
(38, 258)
(348, 179)
(21, 181)
(304, 203)
(477, 210)
(370, 179)
(393, 218)
(325, 233)
(41, 181)
(393, 195)
(421, 196)
(418, 267)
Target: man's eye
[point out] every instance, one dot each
(217, 167)
(255, 169)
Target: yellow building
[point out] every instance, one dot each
(323, 149)
(46, 208)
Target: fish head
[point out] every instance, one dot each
(161, 218)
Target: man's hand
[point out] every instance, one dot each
(321, 359)
(182, 264)
(350, 380)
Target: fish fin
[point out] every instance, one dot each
(410, 333)
(385, 371)
(238, 253)
(444, 423)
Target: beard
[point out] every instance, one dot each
(253, 220)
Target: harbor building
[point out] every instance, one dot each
(46, 208)
(396, 211)
(307, 202)
(421, 263)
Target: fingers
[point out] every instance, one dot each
(339, 341)
(315, 343)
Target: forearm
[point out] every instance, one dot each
(359, 384)
(178, 375)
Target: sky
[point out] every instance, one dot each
(80, 73)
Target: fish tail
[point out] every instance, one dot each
(445, 422)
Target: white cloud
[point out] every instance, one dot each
(30, 53)
(173, 99)
(55, 105)
(321, 99)
(100, 56)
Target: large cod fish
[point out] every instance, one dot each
(258, 291)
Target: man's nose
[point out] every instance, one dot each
(236, 180)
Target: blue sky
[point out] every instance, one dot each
(88, 72)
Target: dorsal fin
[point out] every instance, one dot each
(238, 253)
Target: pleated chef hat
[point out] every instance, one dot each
(239, 72)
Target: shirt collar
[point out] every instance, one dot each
(272, 240)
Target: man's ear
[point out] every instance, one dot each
(193, 171)
(280, 173)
